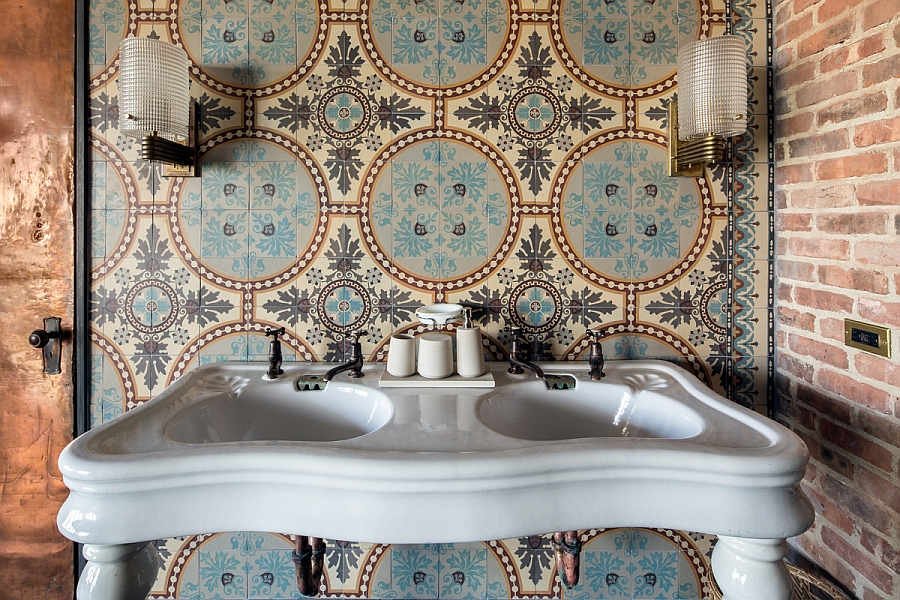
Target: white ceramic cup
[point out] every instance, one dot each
(469, 352)
(435, 355)
(401, 360)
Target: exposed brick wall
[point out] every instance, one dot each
(837, 85)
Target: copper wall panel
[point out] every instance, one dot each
(36, 280)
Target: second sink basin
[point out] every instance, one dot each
(528, 411)
(235, 412)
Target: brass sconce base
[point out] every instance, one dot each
(687, 159)
(179, 160)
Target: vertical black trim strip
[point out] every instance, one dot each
(81, 352)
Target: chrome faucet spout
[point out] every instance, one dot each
(354, 365)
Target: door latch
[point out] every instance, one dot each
(48, 340)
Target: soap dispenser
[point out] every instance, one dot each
(469, 350)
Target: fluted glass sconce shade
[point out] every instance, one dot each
(712, 88)
(154, 89)
(711, 105)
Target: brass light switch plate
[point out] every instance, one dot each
(868, 337)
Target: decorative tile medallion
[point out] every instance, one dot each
(362, 158)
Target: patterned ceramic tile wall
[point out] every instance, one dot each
(361, 159)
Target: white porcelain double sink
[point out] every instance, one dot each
(224, 450)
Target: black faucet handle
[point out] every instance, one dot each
(597, 335)
(354, 336)
(514, 330)
(274, 332)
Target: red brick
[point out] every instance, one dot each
(793, 222)
(793, 29)
(831, 460)
(801, 5)
(849, 498)
(820, 143)
(879, 193)
(878, 12)
(874, 573)
(833, 196)
(785, 406)
(878, 253)
(884, 370)
(879, 488)
(828, 560)
(828, 510)
(897, 35)
(795, 318)
(869, 541)
(850, 441)
(853, 53)
(885, 429)
(852, 108)
(783, 293)
(871, 594)
(801, 73)
(852, 223)
(832, 8)
(823, 300)
(785, 174)
(835, 408)
(825, 38)
(833, 87)
(792, 269)
(884, 69)
(818, 350)
(832, 329)
(820, 248)
(851, 166)
(885, 313)
(799, 123)
(779, 151)
(854, 390)
(783, 57)
(854, 279)
(877, 132)
(890, 556)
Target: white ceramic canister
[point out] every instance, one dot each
(401, 360)
(435, 355)
(469, 352)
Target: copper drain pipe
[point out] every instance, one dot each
(567, 549)
(309, 561)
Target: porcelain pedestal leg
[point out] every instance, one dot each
(749, 569)
(121, 572)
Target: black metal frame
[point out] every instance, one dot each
(81, 352)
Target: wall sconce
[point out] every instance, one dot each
(712, 105)
(155, 104)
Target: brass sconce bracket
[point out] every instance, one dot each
(179, 160)
(687, 159)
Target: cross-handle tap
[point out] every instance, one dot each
(596, 358)
(275, 356)
(518, 359)
(355, 364)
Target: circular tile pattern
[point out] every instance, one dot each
(344, 305)
(151, 306)
(535, 305)
(344, 112)
(534, 113)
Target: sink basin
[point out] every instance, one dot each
(223, 450)
(229, 410)
(593, 410)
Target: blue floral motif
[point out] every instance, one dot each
(273, 44)
(605, 572)
(631, 265)
(224, 45)
(654, 186)
(274, 182)
(410, 237)
(463, 571)
(274, 576)
(96, 43)
(687, 210)
(656, 45)
(602, 238)
(686, 17)
(224, 186)
(464, 181)
(464, 46)
(439, 264)
(411, 41)
(223, 238)
(631, 347)
(466, 237)
(413, 183)
(412, 571)
(607, 8)
(631, 541)
(221, 571)
(658, 572)
(109, 399)
(659, 238)
(246, 542)
(605, 42)
(606, 180)
(273, 237)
